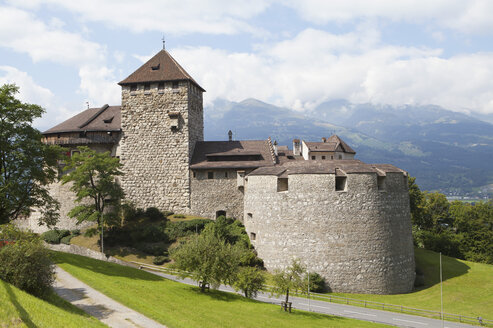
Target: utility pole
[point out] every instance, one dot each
(441, 290)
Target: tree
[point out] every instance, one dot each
(27, 165)
(92, 175)
(249, 280)
(291, 279)
(208, 259)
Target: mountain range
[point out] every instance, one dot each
(446, 151)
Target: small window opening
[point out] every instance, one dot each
(253, 236)
(160, 86)
(290, 157)
(381, 182)
(147, 87)
(155, 67)
(282, 184)
(250, 215)
(323, 157)
(194, 174)
(313, 157)
(341, 183)
(133, 87)
(331, 157)
(226, 174)
(73, 152)
(210, 175)
(220, 213)
(175, 85)
(58, 136)
(340, 156)
(82, 134)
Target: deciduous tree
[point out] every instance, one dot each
(93, 177)
(27, 165)
(291, 279)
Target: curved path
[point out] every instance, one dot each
(99, 305)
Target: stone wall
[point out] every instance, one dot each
(79, 250)
(359, 239)
(154, 155)
(218, 194)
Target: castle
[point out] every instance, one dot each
(344, 219)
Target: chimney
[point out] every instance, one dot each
(324, 139)
(275, 147)
(296, 147)
(230, 135)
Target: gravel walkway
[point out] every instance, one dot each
(99, 305)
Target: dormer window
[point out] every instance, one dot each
(156, 67)
(108, 120)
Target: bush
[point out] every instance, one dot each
(154, 214)
(158, 260)
(51, 236)
(152, 249)
(26, 264)
(63, 233)
(66, 240)
(446, 242)
(317, 283)
(75, 232)
(175, 230)
(179, 216)
(168, 213)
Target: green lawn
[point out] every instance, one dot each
(179, 305)
(20, 309)
(467, 287)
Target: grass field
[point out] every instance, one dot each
(20, 309)
(467, 287)
(179, 305)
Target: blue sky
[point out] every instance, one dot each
(296, 54)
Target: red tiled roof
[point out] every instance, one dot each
(162, 67)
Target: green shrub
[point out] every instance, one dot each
(66, 240)
(175, 230)
(158, 260)
(152, 249)
(75, 232)
(154, 214)
(51, 236)
(446, 242)
(317, 283)
(179, 216)
(168, 213)
(26, 264)
(63, 233)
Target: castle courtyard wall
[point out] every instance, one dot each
(359, 240)
(218, 194)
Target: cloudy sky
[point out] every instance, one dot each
(291, 53)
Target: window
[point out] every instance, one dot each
(73, 152)
(340, 156)
(226, 174)
(147, 87)
(331, 157)
(323, 157)
(313, 157)
(133, 87)
(160, 86)
(175, 85)
(250, 215)
(381, 182)
(82, 134)
(155, 67)
(341, 183)
(194, 174)
(210, 175)
(282, 184)
(253, 236)
(220, 213)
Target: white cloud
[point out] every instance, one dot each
(170, 16)
(470, 16)
(316, 66)
(98, 83)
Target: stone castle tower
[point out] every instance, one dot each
(161, 121)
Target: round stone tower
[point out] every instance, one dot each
(348, 221)
(161, 120)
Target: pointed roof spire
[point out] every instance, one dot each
(160, 68)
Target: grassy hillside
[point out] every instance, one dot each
(467, 287)
(20, 309)
(179, 305)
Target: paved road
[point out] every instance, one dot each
(99, 305)
(348, 311)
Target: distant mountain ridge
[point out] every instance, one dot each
(445, 150)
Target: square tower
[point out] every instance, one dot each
(162, 119)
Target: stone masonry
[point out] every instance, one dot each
(359, 239)
(155, 156)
